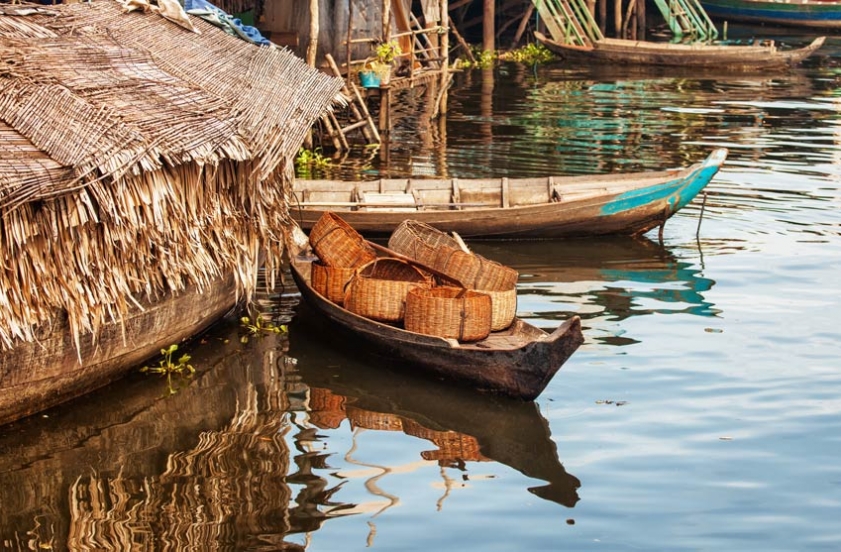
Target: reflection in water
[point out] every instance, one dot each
(606, 279)
(237, 459)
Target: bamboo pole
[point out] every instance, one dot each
(444, 46)
(312, 48)
(523, 23)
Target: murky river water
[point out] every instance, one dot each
(702, 413)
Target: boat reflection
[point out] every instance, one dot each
(463, 426)
(602, 280)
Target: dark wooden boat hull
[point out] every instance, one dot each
(701, 56)
(626, 204)
(36, 376)
(797, 13)
(517, 371)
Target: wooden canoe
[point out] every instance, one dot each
(695, 55)
(510, 208)
(824, 14)
(36, 376)
(517, 362)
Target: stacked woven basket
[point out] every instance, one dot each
(468, 297)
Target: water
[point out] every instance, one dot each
(701, 413)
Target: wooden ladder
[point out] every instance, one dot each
(359, 117)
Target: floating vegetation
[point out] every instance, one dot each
(483, 59)
(309, 160)
(530, 54)
(260, 325)
(168, 366)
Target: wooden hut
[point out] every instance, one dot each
(146, 159)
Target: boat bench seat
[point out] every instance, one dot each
(390, 201)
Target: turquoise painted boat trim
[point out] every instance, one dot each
(676, 193)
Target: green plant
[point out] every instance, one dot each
(311, 157)
(529, 54)
(260, 325)
(388, 51)
(484, 59)
(168, 366)
(308, 161)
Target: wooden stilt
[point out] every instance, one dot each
(523, 23)
(361, 118)
(463, 43)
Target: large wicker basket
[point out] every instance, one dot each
(330, 281)
(450, 312)
(378, 289)
(337, 244)
(432, 247)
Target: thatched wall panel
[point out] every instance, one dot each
(137, 157)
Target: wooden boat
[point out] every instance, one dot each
(696, 55)
(38, 375)
(511, 208)
(517, 362)
(825, 14)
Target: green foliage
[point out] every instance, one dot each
(168, 366)
(529, 54)
(259, 326)
(309, 160)
(484, 59)
(387, 51)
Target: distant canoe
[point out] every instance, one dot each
(510, 208)
(697, 55)
(39, 375)
(517, 362)
(825, 14)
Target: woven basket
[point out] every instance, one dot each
(420, 241)
(378, 289)
(449, 312)
(434, 248)
(503, 307)
(337, 244)
(330, 281)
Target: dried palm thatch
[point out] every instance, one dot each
(137, 158)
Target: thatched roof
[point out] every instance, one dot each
(137, 157)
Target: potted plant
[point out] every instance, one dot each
(377, 69)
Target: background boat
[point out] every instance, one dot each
(704, 55)
(823, 14)
(549, 207)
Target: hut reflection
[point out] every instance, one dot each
(237, 459)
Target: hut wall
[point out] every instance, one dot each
(287, 23)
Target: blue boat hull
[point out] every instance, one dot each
(826, 15)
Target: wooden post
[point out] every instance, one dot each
(488, 31)
(312, 48)
(444, 50)
(348, 47)
(640, 21)
(617, 17)
(602, 16)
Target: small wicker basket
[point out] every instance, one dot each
(378, 289)
(450, 312)
(503, 307)
(337, 244)
(330, 281)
